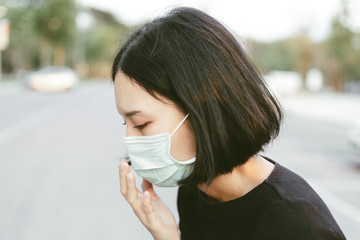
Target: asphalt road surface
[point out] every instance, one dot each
(59, 156)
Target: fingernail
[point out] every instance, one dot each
(128, 176)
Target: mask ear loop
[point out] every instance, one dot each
(179, 125)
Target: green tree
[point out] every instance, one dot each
(292, 54)
(45, 32)
(302, 52)
(99, 43)
(272, 55)
(55, 24)
(41, 32)
(342, 52)
(23, 50)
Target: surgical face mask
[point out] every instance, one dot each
(150, 158)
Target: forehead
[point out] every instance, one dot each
(132, 97)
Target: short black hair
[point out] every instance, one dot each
(190, 58)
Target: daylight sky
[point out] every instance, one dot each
(264, 20)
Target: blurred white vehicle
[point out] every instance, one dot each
(52, 78)
(354, 140)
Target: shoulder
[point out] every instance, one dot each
(299, 212)
(292, 187)
(296, 220)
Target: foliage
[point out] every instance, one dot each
(272, 55)
(105, 32)
(342, 51)
(37, 29)
(100, 42)
(55, 21)
(44, 32)
(22, 54)
(291, 54)
(338, 56)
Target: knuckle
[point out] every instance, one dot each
(148, 209)
(131, 201)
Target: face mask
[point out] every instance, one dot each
(150, 158)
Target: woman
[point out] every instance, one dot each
(197, 114)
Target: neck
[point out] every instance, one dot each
(240, 181)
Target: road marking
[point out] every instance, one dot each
(337, 203)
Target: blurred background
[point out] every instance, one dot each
(61, 136)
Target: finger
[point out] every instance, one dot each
(147, 186)
(132, 192)
(152, 219)
(123, 171)
(135, 198)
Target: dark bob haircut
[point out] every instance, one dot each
(188, 57)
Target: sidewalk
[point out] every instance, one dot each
(340, 108)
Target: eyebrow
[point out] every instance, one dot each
(132, 113)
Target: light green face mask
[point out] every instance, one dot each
(150, 158)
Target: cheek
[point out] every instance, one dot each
(157, 127)
(183, 145)
(131, 132)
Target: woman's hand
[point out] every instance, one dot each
(147, 206)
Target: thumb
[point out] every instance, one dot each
(147, 186)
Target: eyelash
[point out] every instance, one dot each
(138, 126)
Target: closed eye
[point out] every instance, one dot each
(140, 126)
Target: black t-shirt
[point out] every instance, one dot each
(284, 206)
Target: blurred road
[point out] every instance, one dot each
(59, 156)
